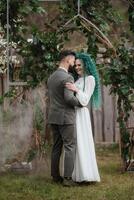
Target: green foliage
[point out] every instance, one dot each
(39, 119)
(131, 17)
(120, 75)
(101, 13)
(95, 12)
(122, 71)
(10, 94)
(19, 10)
(40, 56)
(39, 146)
(1, 99)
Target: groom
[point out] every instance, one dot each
(62, 118)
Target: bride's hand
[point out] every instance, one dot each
(72, 87)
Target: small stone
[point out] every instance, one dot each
(102, 49)
(100, 61)
(107, 60)
(99, 55)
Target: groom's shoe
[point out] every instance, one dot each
(68, 182)
(58, 179)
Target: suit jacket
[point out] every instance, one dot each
(62, 100)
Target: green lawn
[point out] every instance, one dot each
(114, 185)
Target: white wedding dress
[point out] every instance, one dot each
(85, 167)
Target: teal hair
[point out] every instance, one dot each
(90, 69)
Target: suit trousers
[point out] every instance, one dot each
(63, 136)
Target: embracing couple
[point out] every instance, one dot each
(70, 120)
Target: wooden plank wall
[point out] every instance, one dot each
(104, 125)
(104, 120)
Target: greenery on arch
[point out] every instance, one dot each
(121, 66)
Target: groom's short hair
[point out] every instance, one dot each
(66, 53)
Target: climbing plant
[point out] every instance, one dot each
(40, 57)
(18, 12)
(131, 16)
(120, 77)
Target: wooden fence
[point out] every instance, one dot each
(104, 120)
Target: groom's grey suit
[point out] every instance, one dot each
(62, 119)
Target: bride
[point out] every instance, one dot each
(87, 89)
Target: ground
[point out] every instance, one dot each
(114, 184)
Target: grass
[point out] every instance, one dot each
(114, 185)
